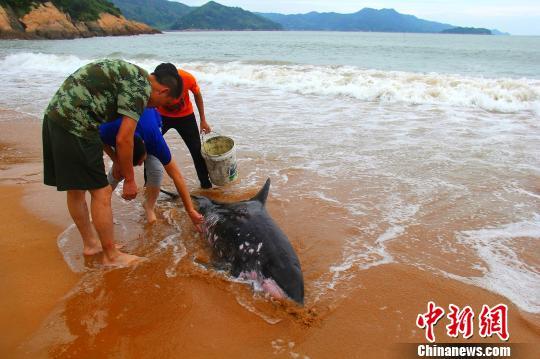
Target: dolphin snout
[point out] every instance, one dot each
(272, 288)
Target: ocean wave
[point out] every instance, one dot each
(30, 63)
(500, 95)
(507, 273)
(505, 95)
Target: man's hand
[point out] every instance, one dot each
(117, 174)
(197, 219)
(124, 155)
(205, 127)
(130, 190)
(176, 176)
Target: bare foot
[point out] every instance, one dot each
(91, 250)
(95, 249)
(150, 213)
(121, 259)
(91, 246)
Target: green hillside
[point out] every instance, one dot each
(214, 16)
(384, 20)
(161, 14)
(467, 30)
(80, 10)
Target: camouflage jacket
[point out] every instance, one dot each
(99, 92)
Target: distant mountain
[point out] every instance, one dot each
(161, 14)
(384, 20)
(467, 30)
(171, 15)
(65, 19)
(214, 16)
(497, 32)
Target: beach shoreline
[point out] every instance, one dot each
(199, 316)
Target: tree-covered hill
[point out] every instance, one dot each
(467, 30)
(65, 19)
(214, 16)
(384, 20)
(161, 14)
(171, 15)
(79, 10)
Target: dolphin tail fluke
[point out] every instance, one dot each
(171, 194)
(263, 193)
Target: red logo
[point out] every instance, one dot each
(494, 321)
(461, 321)
(429, 319)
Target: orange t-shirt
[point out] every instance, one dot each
(183, 107)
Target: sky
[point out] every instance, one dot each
(518, 17)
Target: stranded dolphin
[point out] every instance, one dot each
(244, 235)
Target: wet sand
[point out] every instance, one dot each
(136, 313)
(34, 276)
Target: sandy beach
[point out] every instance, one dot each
(47, 310)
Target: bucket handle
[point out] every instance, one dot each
(204, 136)
(209, 134)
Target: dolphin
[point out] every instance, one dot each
(244, 236)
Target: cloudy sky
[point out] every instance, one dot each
(518, 17)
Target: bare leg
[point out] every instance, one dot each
(151, 195)
(78, 210)
(153, 170)
(102, 216)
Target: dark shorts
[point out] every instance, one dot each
(71, 162)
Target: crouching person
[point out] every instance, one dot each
(149, 148)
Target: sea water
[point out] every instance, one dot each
(420, 149)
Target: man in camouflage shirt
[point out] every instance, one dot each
(96, 93)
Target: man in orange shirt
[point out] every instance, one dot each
(180, 116)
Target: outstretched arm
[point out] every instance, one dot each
(179, 183)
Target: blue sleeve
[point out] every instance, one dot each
(149, 127)
(161, 150)
(108, 132)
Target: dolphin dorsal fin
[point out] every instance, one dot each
(263, 193)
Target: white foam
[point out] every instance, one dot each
(251, 308)
(179, 251)
(39, 63)
(523, 191)
(324, 197)
(391, 233)
(502, 95)
(70, 250)
(506, 273)
(357, 253)
(30, 63)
